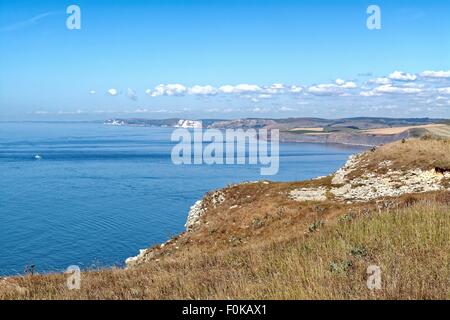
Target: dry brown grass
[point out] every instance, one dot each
(285, 259)
(260, 244)
(424, 153)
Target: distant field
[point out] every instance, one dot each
(316, 129)
(440, 129)
(443, 131)
(316, 133)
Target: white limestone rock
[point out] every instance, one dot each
(309, 194)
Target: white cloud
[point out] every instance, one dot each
(411, 85)
(444, 90)
(167, 90)
(370, 93)
(338, 88)
(436, 74)
(389, 89)
(275, 88)
(295, 89)
(112, 92)
(202, 90)
(240, 88)
(141, 111)
(392, 89)
(340, 82)
(284, 109)
(345, 84)
(348, 85)
(92, 92)
(226, 89)
(382, 80)
(247, 88)
(402, 76)
(259, 110)
(323, 89)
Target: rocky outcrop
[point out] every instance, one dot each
(394, 183)
(195, 212)
(147, 254)
(200, 207)
(132, 260)
(380, 174)
(309, 194)
(339, 176)
(374, 185)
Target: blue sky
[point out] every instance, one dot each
(224, 59)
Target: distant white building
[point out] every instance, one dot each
(194, 124)
(115, 122)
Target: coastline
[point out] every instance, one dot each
(368, 186)
(250, 229)
(128, 241)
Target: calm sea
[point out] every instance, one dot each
(100, 192)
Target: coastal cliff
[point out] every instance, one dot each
(378, 177)
(314, 239)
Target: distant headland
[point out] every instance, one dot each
(368, 131)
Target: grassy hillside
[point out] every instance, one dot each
(255, 242)
(410, 245)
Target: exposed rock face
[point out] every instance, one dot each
(147, 254)
(394, 183)
(350, 165)
(371, 185)
(212, 199)
(132, 260)
(363, 178)
(195, 212)
(199, 208)
(309, 194)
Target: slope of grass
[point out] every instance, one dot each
(261, 244)
(411, 245)
(424, 153)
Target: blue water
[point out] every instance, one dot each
(100, 192)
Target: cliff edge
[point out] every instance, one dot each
(381, 177)
(388, 207)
